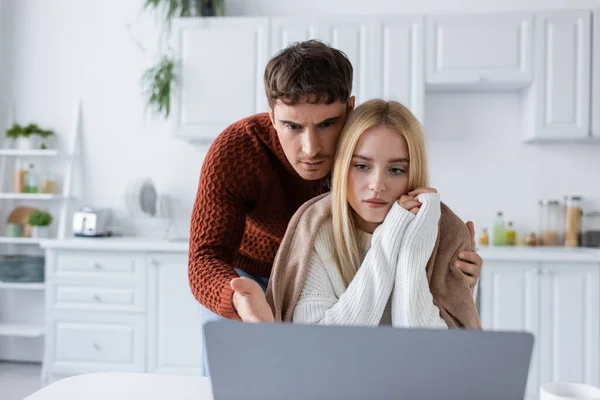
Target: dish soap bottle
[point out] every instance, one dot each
(499, 230)
(31, 184)
(511, 235)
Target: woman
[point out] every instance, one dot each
(372, 253)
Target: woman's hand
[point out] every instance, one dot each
(411, 201)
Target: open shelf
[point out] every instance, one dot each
(23, 285)
(17, 329)
(29, 153)
(21, 240)
(31, 196)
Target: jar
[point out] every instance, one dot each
(551, 223)
(573, 221)
(590, 226)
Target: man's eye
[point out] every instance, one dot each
(291, 126)
(327, 124)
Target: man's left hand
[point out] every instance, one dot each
(470, 262)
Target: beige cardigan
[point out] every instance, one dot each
(450, 290)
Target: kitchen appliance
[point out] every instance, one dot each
(91, 222)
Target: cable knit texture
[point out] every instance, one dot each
(247, 193)
(427, 290)
(392, 272)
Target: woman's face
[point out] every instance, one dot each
(378, 175)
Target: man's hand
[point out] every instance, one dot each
(250, 302)
(470, 262)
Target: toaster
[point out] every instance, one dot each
(91, 222)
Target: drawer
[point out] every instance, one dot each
(97, 265)
(97, 297)
(98, 345)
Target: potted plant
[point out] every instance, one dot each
(20, 136)
(40, 223)
(45, 134)
(160, 79)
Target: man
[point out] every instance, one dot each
(260, 170)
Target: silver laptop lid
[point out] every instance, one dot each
(285, 361)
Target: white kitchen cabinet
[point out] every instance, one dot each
(175, 327)
(220, 78)
(510, 301)
(558, 104)
(398, 62)
(569, 323)
(119, 305)
(596, 76)
(479, 50)
(556, 301)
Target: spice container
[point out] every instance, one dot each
(591, 229)
(551, 222)
(573, 221)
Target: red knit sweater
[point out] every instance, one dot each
(247, 194)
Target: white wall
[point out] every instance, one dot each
(57, 50)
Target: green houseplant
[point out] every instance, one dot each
(40, 223)
(24, 136)
(159, 80)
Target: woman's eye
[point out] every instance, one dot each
(396, 171)
(361, 167)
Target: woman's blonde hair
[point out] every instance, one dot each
(370, 114)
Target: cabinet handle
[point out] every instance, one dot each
(96, 265)
(152, 261)
(96, 346)
(97, 298)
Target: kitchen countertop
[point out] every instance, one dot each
(122, 243)
(524, 253)
(491, 253)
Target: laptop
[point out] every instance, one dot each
(287, 361)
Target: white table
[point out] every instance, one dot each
(129, 386)
(126, 386)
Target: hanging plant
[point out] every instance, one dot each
(159, 82)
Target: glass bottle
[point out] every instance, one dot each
(573, 221)
(484, 238)
(499, 230)
(511, 235)
(551, 222)
(31, 180)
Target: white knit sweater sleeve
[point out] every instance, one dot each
(323, 299)
(412, 301)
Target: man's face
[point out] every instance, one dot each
(309, 133)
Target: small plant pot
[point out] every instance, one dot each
(40, 232)
(25, 143)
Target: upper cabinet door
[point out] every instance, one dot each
(220, 79)
(398, 62)
(480, 50)
(350, 34)
(596, 76)
(560, 96)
